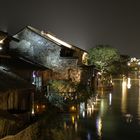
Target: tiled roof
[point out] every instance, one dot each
(52, 38)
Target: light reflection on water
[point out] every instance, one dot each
(139, 103)
(113, 112)
(115, 116)
(124, 97)
(110, 99)
(99, 126)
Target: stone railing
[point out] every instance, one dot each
(28, 133)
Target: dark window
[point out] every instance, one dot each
(4, 61)
(66, 52)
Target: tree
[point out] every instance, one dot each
(121, 66)
(103, 57)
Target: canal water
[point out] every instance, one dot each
(114, 115)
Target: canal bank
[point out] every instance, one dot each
(115, 116)
(26, 125)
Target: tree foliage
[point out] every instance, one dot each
(103, 56)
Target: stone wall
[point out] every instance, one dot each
(41, 50)
(75, 74)
(27, 134)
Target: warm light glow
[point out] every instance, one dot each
(60, 42)
(139, 63)
(33, 111)
(33, 108)
(2, 41)
(133, 59)
(43, 106)
(102, 107)
(73, 108)
(124, 83)
(90, 106)
(76, 126)
(139, 103)
(99, 73)
(89, 111)
(40, 108)
(128, 83)
(124, 96)
(110, 99)
(0, 48)
(72, 119)
(128, 63)
(83, 114)
(99, 126)
(84, 58)
(65, 126)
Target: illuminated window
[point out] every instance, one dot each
(85, 58)
(36, 80)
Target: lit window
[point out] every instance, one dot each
(85, 58)
(36, 80)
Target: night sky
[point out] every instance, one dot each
(83, 23)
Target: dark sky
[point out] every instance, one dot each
(83, 23)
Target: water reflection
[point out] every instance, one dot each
(71, 122)
(110, 99)
(88, 107)
(88, 136)
(124, 96)
(98, 118)
(99, 126)
(82, 109)
(139, 102)
(128, 83)
(129, 118)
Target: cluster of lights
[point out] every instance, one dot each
(134, 60)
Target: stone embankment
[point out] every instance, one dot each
(28, 133)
